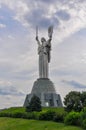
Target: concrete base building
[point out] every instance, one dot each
(45, 90)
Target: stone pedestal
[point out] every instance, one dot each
(45, 90)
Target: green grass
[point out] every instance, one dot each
(57, 109)
(22, 109)
(14, 109)
(23, 124)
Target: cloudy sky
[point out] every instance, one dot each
(18, 48)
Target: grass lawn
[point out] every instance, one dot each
(23, 124)
(13, 110)
(22, 109)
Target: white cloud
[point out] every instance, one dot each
(2, 25)
(5, 83)
(10, 95)
(11, 37)
(76, 10)
(21, 10)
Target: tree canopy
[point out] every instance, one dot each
(75, 101)
(34, 104)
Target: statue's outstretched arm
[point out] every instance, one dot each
(49, 41)
(37, 40)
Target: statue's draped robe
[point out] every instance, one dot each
(44, 59)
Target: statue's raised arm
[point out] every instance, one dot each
(37, 40)
(50, 32)
(37, 36)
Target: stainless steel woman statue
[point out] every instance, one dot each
(44, 53)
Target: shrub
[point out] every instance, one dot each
(14, 115)
(17, 115)
(3, 114)
(30, 115)
(48, 115)
(25, 115)
(82, 116)
(73, 118)
(59, 117)
(84, 124)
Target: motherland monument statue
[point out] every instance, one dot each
(44, 49)
(43, 87)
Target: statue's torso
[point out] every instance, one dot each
(42, 49)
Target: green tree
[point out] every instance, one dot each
(83, 98)
(34, 104)
(73, 101)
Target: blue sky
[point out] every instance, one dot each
(18, 48)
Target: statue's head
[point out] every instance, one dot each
(43, 39)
